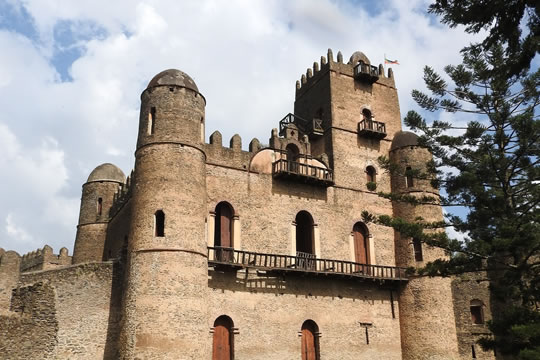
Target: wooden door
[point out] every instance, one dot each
(222, 341)
(225, 226)
(309, 351)
(361, 246)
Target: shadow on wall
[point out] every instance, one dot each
(300, 190)
(300, 286)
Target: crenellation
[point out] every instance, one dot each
(254, 145)
(315, 67)
(236, 142)
(340, 57)
(330, 56)
(216, 139)
(309, 73)
(43, 259)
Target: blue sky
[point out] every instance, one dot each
(71, 74)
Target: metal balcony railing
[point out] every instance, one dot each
(372, 128)
(238, 259)
(366, 72)
(310, 128)
(294, 170)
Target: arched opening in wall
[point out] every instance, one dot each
(310, 341)
(223, 231)
(202, 129)
(361, 243)
(223, 341)
(159, 223)
(417, 248)
(367, 118)
(371, 174)
(477, 312)
(305, 247)
(99, 206)
(151, 120)
(409, 180)
(293, 154)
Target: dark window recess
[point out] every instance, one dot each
(361, 243)
(473, 352)
(371, 174)
(223, 341)
(151, 120)
(408, 177)
(304, 232)
(99, 206)
(477, 313)
(159, 223)
(310, 341)
(417, 246)
(223, 227)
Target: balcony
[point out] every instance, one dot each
(372, 128)
(310, 128)
(293, 170)
(220, 257)
(366, 72)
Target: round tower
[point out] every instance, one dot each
(165, 298)
(425, 304)
(96, 201)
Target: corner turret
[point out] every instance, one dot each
(96, 201)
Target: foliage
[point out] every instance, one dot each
(372, 186)
(512, 23)
(490, 165)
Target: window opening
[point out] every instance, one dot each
(305, 251)
(223, 231)
(371, 174)
(99, 206)
(408, 177)
(223, 341)
(159, 223)
(473, 352)
(310, 340)
(417, 246)
(477, 313)
(366, 114)
(151, 120)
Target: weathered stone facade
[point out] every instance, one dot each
(269, 239)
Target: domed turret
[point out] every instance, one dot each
(404, 139)
(172, 110)
(96, 201)
(107, 172)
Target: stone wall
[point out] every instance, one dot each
(43, 259)
(465, 288)
(10, 263)
(68, 313)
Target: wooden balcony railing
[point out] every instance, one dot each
(284, 168)
(238, 259)
(366, 72)
(310, 128)
(372, 128)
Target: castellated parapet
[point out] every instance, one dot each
(208, 251)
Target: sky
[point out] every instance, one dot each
(71, 75)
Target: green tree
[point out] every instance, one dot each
(512, 23)
(491, 166)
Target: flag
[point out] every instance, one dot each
(386, 61)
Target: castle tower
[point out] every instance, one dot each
(350, 110)
(96, 201)
(426, 313)
(166, 285)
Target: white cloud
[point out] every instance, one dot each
(245, 57)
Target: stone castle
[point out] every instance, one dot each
(213, 252)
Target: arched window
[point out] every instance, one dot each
(371, 174)
(151, 120)
(292, 152)
(223, 230)
(366, 114)
(304, 233)
(477, 312)
(361, 243)
(310, 340)
(159, 226)
(223, 343)
(99, 206)
(417, 247)
(408, 177)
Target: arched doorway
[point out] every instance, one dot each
(305, 249)
(361, 243)
(310, 340)
(292, 158)
(223, 344)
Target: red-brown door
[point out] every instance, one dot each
(360, 245)
(309, 351)
(222, 341)
(225, 230)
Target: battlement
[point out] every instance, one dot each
(358, 67)
(122, 196)
(43, 259)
